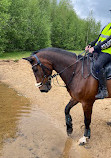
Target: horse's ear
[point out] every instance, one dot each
(28, 59)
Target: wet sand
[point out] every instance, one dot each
(42, 132)
(29, 133)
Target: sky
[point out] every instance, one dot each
(100, 9)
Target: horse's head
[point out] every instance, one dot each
(42, 70)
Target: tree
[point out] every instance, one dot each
(62, 24)
(29, 25)
(4, 16)
(38, 26)
(16, 31)
(92, 28)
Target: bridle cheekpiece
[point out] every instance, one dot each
(38, 85)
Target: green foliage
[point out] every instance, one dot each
(62, 25)
(36, 24)
(16, 25)
(29, 25)
(4, 16)
(92, 28)
(38, 30)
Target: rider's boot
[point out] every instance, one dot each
(102, 92)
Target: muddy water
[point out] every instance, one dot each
(12, 107)
(26, 132)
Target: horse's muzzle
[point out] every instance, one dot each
(44, 87)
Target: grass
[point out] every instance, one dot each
(14, 55)
(76, 51)
(19, 55)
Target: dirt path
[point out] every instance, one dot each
(20, 77)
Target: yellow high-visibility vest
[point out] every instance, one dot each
(104, 35)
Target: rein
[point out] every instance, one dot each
(56, 74)
(52, 76)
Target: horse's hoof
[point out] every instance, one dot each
(83, 140)
(69, 131)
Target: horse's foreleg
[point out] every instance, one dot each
(68, 116)
(87, 108)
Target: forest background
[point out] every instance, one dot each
(29, 25)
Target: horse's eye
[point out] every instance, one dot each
(35, 69)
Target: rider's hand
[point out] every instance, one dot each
(87, 47)
(91, 50)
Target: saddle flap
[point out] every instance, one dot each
(107, 70)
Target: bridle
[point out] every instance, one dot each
(44, 72)
(38, 85)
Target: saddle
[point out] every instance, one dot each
(90, 63)
(107, 70)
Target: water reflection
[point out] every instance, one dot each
(67, 148)
(73, 150)
(12, 107)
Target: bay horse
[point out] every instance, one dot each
(68, 66)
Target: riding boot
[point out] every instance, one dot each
(102, 92)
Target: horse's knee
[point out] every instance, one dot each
(66, 110)
(69, 106)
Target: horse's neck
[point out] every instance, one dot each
(60, 62)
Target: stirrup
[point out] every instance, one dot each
(102, 94)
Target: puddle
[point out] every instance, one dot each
(11, 109)
(26, 132)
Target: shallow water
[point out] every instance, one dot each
(12, 107)
(26, 132)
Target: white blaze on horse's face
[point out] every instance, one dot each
(38, 85)
(44, 87)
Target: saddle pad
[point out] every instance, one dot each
(107, 71)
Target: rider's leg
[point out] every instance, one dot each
(102, 83)
(102, 60)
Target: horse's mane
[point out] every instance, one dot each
(57, 50)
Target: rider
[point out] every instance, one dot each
(102, 46)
